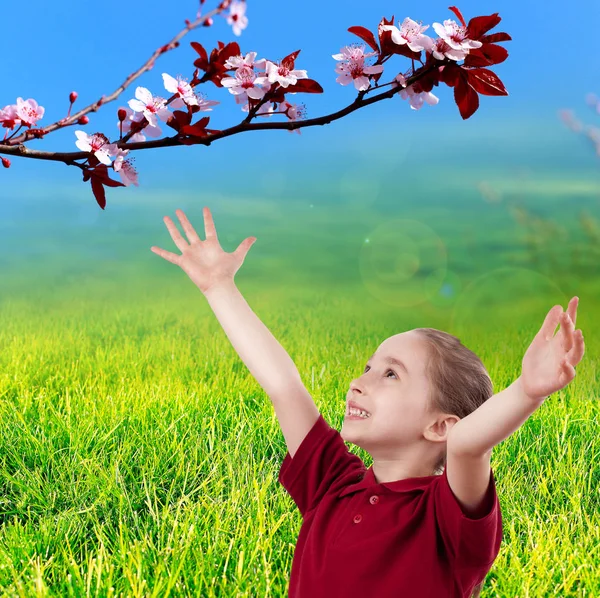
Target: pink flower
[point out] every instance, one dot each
(235, 62)
(401, 79)
(96, 144)
(9, 117)
(416, 98)
(245, 85)
(294, 112)
(353, 69)
(283, 75)
(125, 168)
(266, 109)
(183, 90)
(137, 117)
(150, 106)
(237, 17)
(441, 50)
(455, 36)
(29, 112)
(411, 34)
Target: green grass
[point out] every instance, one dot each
(138, 456)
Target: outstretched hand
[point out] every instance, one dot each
(549, 362)
(204, 262)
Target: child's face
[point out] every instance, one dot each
(395, 399)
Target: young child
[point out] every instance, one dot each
(424, 520)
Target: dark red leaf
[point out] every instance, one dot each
(487, 55)
(290, 59)
(304, 85)
(479, 25)
(458, 14)
(495, 37)
(450, 74)
(101, 174)
(179, 119)
(365, 35)
(197, 130)
(466, 98)
(98, 190)
(231, 49)
(486, 82)
(201, 51)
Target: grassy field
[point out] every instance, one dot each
(139, 457)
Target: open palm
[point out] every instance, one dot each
(204, 262)
(549, 362)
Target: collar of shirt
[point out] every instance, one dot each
(405, 485)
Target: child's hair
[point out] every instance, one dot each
(459, 383)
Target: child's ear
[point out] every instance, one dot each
(440, 429)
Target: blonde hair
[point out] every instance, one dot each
(459, 384)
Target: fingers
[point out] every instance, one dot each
(209, 225)
(170, 257)
(551, 322)
(568, 328)
(568, 371)
(576, 353)
(181, 243)
(192, 235)
(572, 309)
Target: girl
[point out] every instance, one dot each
(424, 520)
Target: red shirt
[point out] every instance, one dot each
(402, 539)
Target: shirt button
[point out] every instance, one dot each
(357, 518)
(374, 499)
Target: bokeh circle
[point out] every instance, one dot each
(403, 263)
(508, 302)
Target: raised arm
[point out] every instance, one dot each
(212, 270)
(548, 365)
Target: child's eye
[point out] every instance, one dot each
(392, 371)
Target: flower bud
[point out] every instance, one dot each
(72, 96)
(83, 120)
(5, 162)
(207, 22)
(122, 113)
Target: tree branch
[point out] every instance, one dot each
(359, 103)
(65, 122)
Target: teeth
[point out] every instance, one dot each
(359, 412)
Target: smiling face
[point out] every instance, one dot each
(396, 398)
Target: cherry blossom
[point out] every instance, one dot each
(411, 34)
(294, 112)
(137, 117)
(236, 62)
(352, 67)
(284, 76)
(266, 109)
(9, 117)
(417, 97)
(150, 106)
(29, 112)
(245, 85)
(442, 50)
(125, 168)
(455, 36)
(237, 17)
(182, 88)
(96, 144)
(401, 79)
(187, 95)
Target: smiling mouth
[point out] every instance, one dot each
(357, 414)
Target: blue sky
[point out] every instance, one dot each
(93, 47)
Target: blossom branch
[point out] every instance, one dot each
(358, 103)
(65, 122)
(263, 91)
